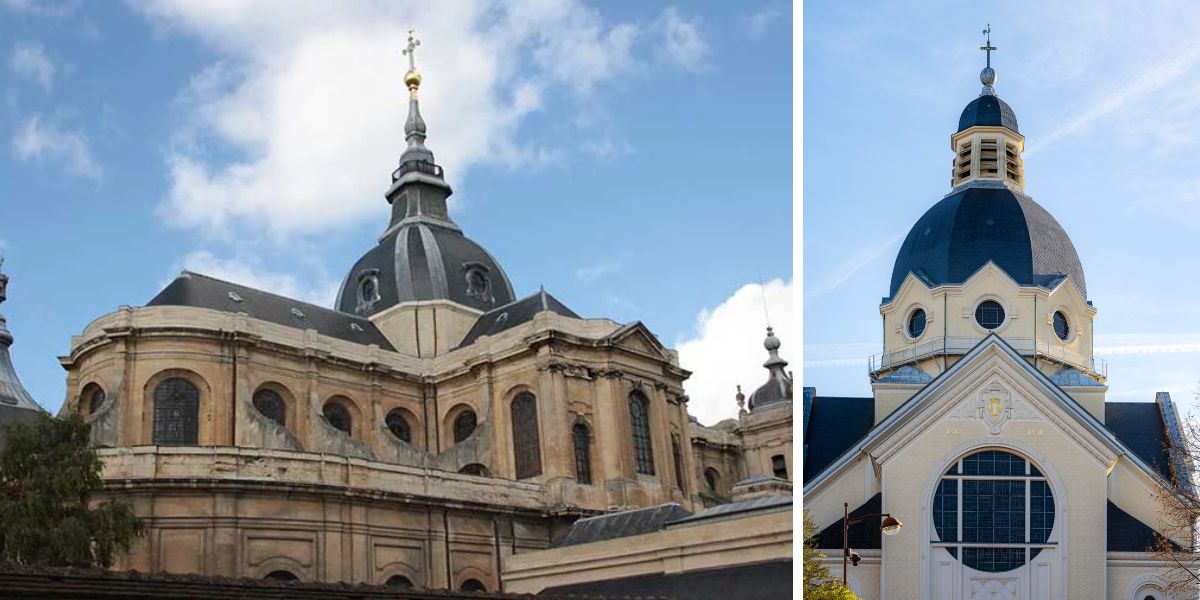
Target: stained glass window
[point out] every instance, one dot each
(338, 416)
(176, 413)
(464, 425)
(989, 314)
(995, 497)
(581, 438)
(916, 323)
(271, 405)
(526, 443)
(94, 396)
(1061, 328)
(639, 419)
(677, 460)
(398, 425)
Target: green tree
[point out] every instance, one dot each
(48, 471)
(818, 585)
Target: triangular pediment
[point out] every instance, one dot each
(991, 393)
(637, 338)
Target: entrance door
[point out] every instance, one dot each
(952, 580)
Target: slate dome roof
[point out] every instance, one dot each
(425, 261)
(982, 222)
(988, 110)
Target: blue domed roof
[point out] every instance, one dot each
(988, 221)
(988, 110)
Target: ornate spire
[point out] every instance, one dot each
(778, 387)
(414, 126)
(988, 75)
(12, 393)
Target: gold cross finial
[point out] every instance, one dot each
(411, 48)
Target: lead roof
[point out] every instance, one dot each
(515, 313)
(202, 291)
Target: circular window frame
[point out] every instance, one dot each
(1003, 305)
(908, 314)
(1072, 324)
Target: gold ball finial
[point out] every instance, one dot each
(412, 79)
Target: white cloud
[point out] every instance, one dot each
(726, 349)
(601, 268)
(756, 24)
(682, 42)
(29, 60)
(36, 139)
(308, 100)
(252, 274)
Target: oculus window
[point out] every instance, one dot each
(338, 416)
(916, 323)
(989, 314)
(1062, 328)
(398, 425)
(270, 404)
(464, 425)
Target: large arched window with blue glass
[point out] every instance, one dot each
(995, 510)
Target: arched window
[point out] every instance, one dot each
(779, 466)
(475, 469)
(639, 420)
(713, 479)
(581, 439)
(982, 499)
(398, 425)
(271, 405)
(92, 397)
(464, 425)
(399, 581)
(338, 416)
(472, 585)
(677, 459)
(282, 575)
(176, 413)
(527, 452)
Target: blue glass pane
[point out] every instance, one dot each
(994, 462)
(1041, 511)
(993, 511)
(945, 510)
(953, 469)
(993, 560)
(1034, 472)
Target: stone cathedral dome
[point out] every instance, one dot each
(423, 255)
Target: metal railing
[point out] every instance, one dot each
(961, 345)
(417, 165)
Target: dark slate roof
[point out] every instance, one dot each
(515, 313)
(202, 291)
(1139, 426)
(1126, 533)
(733, 509)
(834, 426)
(988, 110)
(981, 223)
(620, 524)
(750, 581)
(864, 535)
(12, 415)
(425, 261)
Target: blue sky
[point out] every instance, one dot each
(1107, 95)
(633, 157)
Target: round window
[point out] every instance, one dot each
(398, 425)
(989, 314)
(338, 416)
(991, 508)
(1061, 327)
(916, 323)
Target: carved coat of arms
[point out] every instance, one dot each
(995, 407)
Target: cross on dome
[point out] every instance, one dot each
(410, 49)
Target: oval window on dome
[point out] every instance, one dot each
(1062, 328)
(989, 314)
(916, 323)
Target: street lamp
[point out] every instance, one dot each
(889, 526)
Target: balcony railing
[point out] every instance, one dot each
(953, 346)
